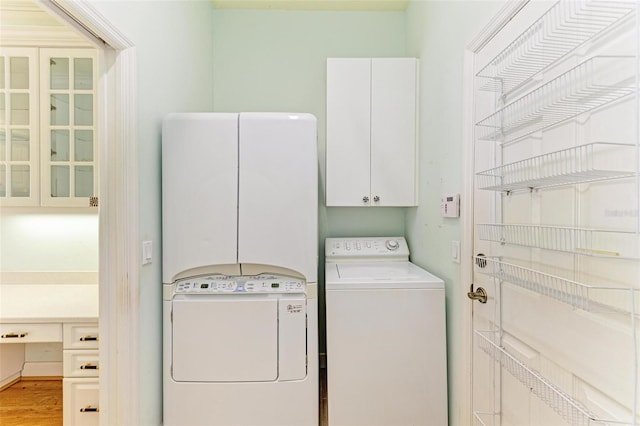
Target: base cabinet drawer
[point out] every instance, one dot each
(30, 333)
(81, 363)
(81, 336)
(80, 398)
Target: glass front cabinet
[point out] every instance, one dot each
(48, 150)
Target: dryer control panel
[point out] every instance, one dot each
(366, 249)
(216, 284)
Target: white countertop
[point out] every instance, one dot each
(33, 303)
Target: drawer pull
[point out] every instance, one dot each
(88, 338)
(88, 366)
(89, 409)
(14, 335)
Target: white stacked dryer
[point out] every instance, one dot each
(240, 269)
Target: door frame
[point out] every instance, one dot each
(499, 21)
(118, 211)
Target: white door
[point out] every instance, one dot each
(556, 225)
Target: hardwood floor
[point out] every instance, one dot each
(32, 403)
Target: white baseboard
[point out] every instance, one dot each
(42, 369)
(8, 380)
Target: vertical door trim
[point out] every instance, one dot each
(464, 379)
(118, 221)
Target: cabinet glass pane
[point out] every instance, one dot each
(59, 145)
(3, 146)
(83, 149)
(2, 85)
(20, 145)
(83, 110)
(20, 109)
(84, 181)
(19, 71)
(83, 73)
(59, 73)
(20, 181)
(59, 181)
(3, 180)
(59, 110)
(3, 109)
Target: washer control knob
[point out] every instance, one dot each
(392, 245)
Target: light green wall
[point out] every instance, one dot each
(437, 33)
(173, 49)
(192, 58)
(276, 61)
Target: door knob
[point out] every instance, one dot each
(376, 198)
(480, 294)
(365, 199)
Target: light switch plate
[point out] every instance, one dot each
(455, 251)
(147, 252)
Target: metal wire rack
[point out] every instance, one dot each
(586, 163)
(564, 27)
(590, 85)
(564, 405)
(583, 241)
(575, 294)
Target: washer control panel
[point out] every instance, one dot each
(387, 248)
(217, 284)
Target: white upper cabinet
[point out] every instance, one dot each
(48, 154)
(371, 132)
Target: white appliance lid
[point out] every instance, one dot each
(379, 275)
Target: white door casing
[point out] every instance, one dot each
(118, 222)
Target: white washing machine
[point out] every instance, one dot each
(386, 336)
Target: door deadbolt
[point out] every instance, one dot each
(480, 294)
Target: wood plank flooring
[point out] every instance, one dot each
(32, 403)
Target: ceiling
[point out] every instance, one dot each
(25, 23)
(336, 5)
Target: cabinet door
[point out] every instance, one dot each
(278, 191)
(348, 131)
(19, 127)
(199, 191)
(393, 131)
(68, 82)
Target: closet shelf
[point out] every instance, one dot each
(589, 298)
(590, 85)
(564, 27)
(586, 163)
(573, 412)
(582, 241)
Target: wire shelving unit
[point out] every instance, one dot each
(564, 27)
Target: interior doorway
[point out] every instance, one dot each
(118, 221)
